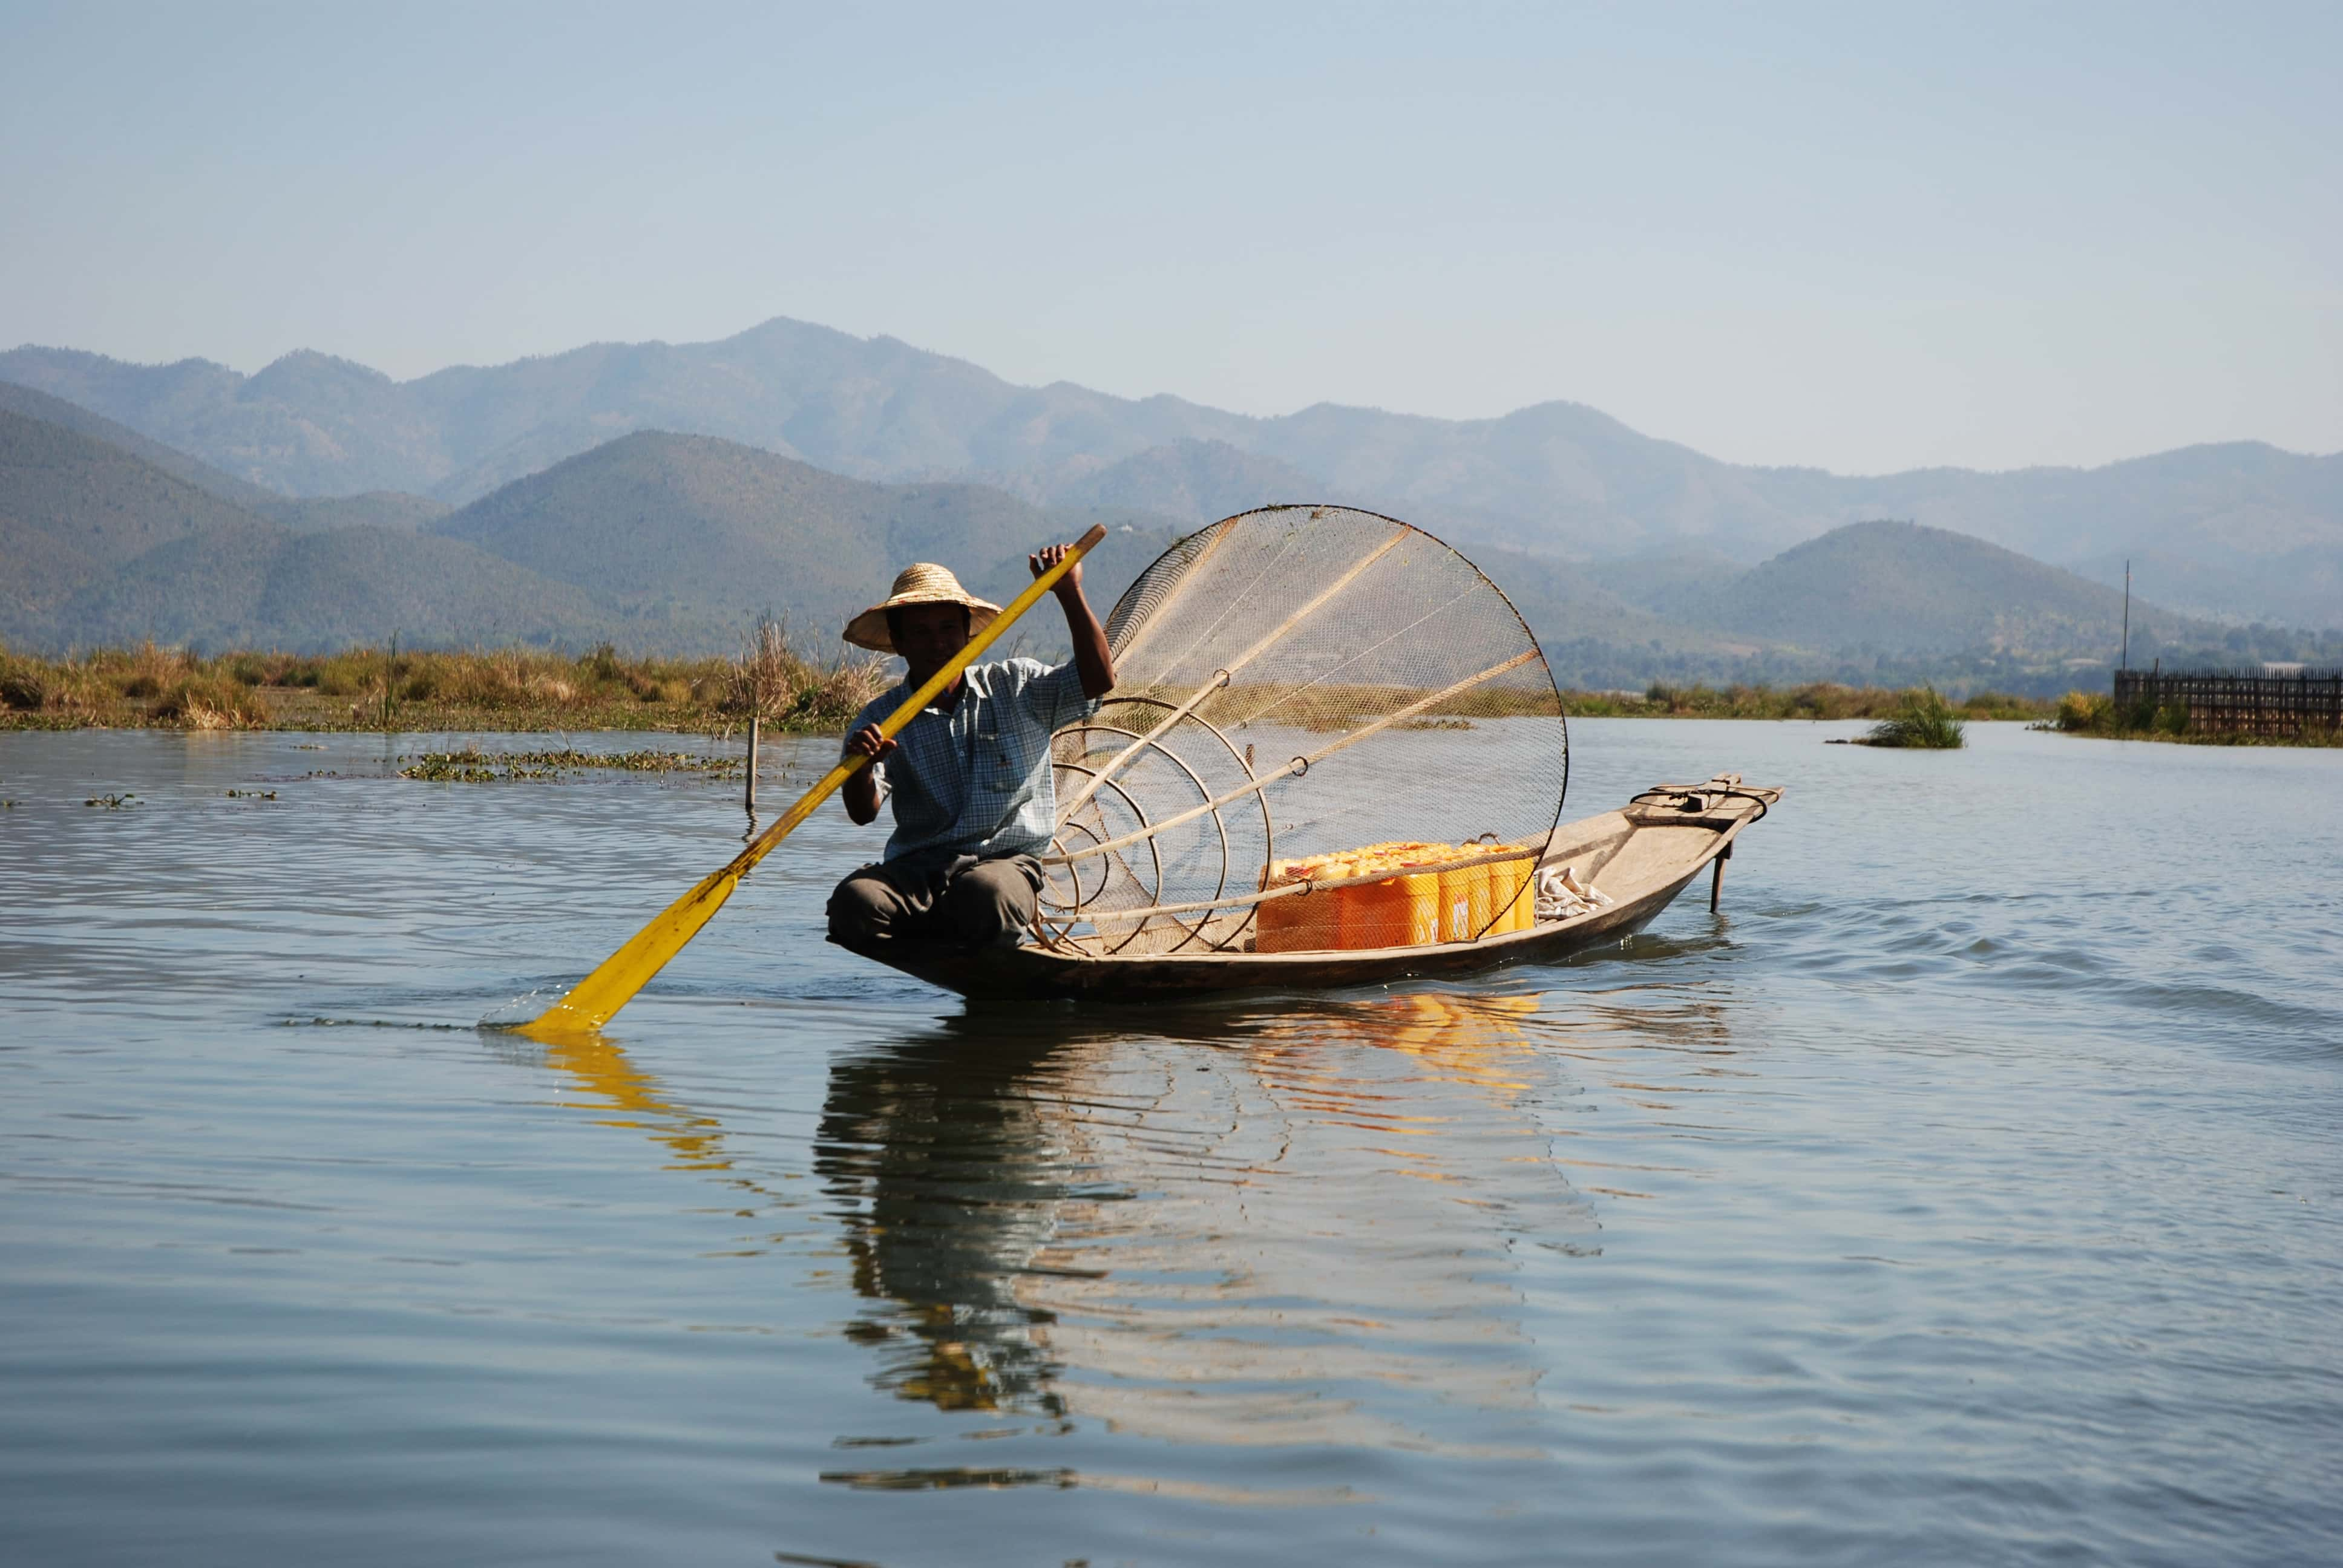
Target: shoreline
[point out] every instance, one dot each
(421, 719)
(519, 691)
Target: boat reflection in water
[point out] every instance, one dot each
(1240, 1228)
(1303, 1224)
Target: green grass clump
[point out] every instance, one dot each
(1923, 721)
(2084, 713)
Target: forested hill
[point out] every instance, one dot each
(664, 542)
(1917, 590)
(690, 538)
(105, 547)
(27, 404)
(2262, 526)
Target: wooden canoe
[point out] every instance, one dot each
(1642, 856)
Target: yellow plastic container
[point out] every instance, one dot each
(1513, 890)
(1420, 892)
(1465, 904)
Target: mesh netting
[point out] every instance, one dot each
(1328, 730)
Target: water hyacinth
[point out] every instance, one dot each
(1924, 722)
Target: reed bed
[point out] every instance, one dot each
(1816, 700)
(371, 687)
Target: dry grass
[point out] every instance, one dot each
(772, 680)
(144, 685)
(513, 688)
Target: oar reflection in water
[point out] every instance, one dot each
(1249, 1228)
(604, 1072)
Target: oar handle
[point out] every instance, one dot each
(914, 705)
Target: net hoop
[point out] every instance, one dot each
(1386, 611)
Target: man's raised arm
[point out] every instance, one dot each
(1091, 658)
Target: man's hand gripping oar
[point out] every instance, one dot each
(593, 1000)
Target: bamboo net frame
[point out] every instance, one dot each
(1373, 630)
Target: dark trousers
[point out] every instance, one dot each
(937, 896)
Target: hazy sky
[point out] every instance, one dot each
(1866, 237)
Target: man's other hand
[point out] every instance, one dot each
(1049, 556)
(868, 743)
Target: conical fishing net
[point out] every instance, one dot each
(1328, 730)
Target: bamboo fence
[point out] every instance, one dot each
(2223, 703)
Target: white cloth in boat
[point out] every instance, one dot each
(1560, 895)
(977, 781)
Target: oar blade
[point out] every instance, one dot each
(592, 1000)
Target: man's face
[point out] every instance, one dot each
(928, 635)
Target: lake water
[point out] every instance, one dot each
(1969, 1189)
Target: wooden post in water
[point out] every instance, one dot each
(2126, 642)
(390, 675)
(754, 724)
(1716, 883)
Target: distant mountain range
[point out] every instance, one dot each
(106, 546)
(664, 542)
(2239, 531)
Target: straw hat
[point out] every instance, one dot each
(922, 582)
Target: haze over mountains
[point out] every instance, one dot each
(663, 542)
(2238, 530)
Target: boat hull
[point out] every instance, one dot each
(1644, 856)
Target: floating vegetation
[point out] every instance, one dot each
(252, 794)
(1924, 722)
(474, 766)
(113, 802)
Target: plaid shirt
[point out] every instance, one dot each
(977, 781)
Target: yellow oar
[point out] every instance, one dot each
(592, 1001)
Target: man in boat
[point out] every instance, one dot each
(975, 803)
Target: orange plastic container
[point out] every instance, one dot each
(1272, 922)
(1308, 922)
(1375, 914)
(1422, 900)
